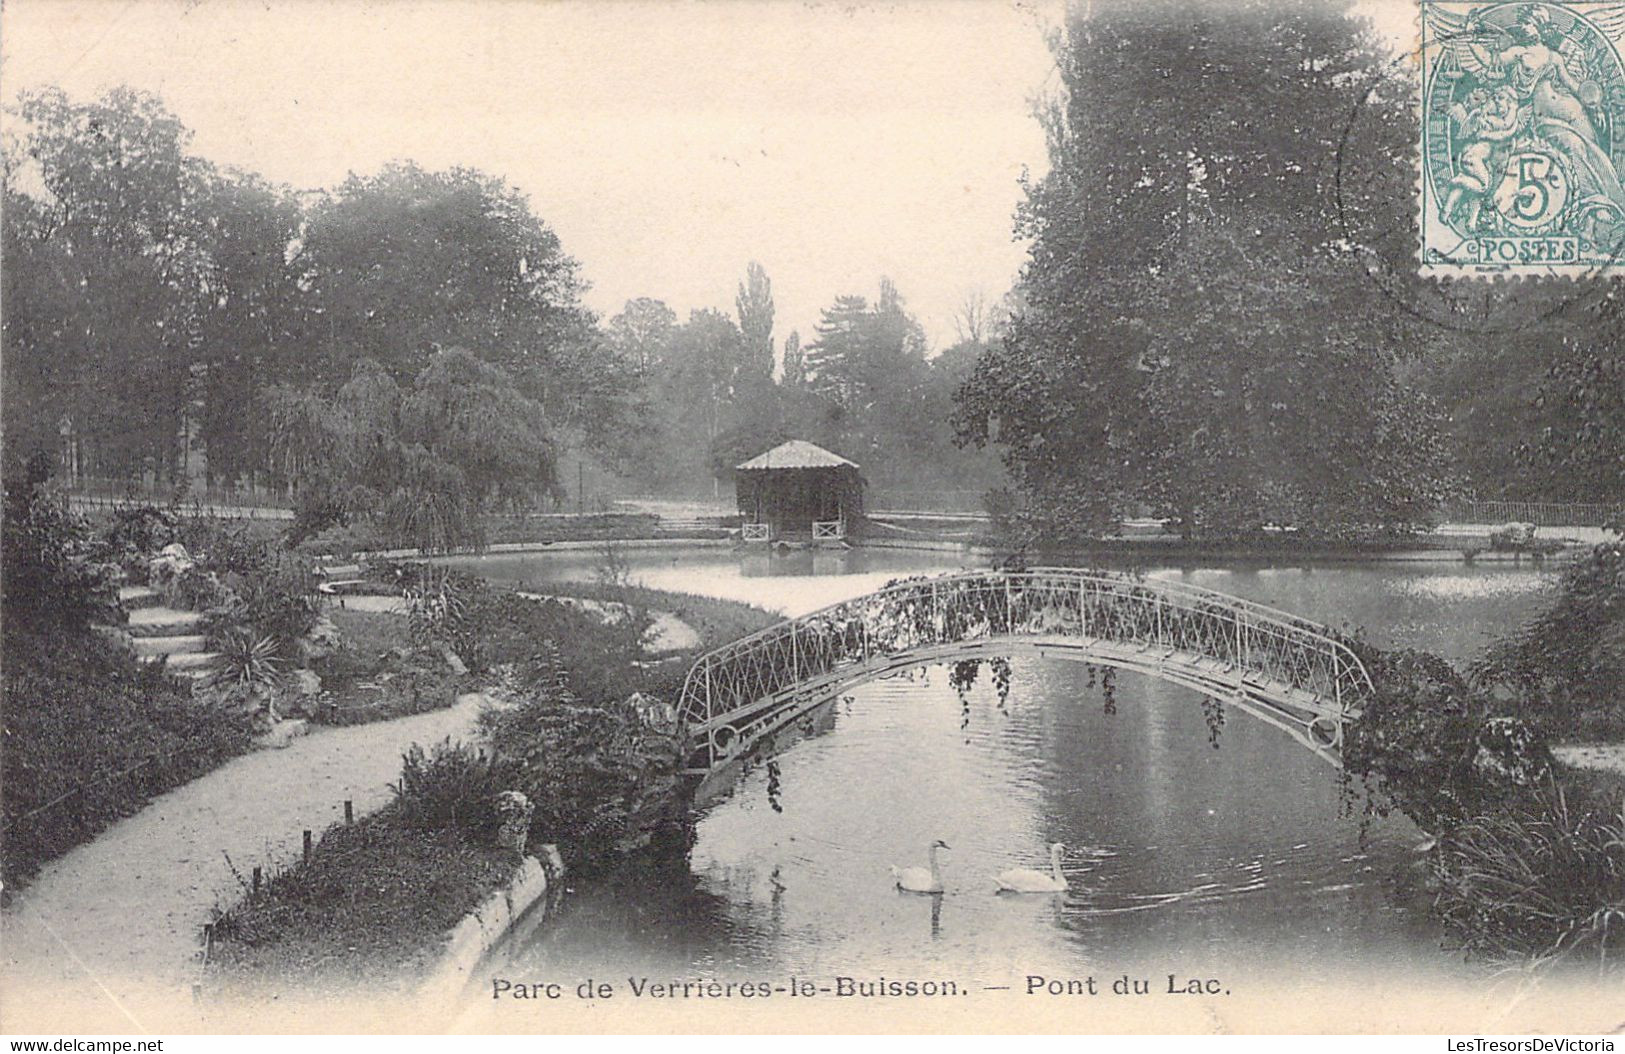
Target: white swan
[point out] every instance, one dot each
(1027, 880)
(921, 879)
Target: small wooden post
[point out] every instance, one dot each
(307, 847)
(258, 875)
(349, 811)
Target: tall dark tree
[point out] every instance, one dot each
(103, 334)
(1143, 353)
(795, 363)
(833, 361)
(754, 302)
(249, 326)
(1580, 449)
(862, 352)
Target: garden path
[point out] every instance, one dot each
(108, 935)
(1609, 757)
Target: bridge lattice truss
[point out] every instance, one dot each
(1285, 670)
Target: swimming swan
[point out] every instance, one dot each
(1027, 880)
(921, 879)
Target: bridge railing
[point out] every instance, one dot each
(1251, 639)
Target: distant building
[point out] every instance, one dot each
(799, 492)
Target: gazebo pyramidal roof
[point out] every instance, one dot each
(797, 453)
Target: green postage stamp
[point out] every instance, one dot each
(1522, 146)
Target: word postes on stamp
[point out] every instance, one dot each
(1523, 138)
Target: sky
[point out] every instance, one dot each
(668, 144)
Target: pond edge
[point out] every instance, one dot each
(485, 927)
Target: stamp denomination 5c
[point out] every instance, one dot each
(1523, 149)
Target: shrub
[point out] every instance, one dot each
(195, 589)
(91, 735)
(374, 902)
(452, 788)
(392, 690)
(605, 657)
(1563, 670)
(52, 576)
(134, 534)
(279, 597)
(599, 778)
(435, 599)
(228, 545)
(1547, 879)
(249, 668)
(1419, 738)
(345, 540)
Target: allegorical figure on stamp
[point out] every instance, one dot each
(1487, 120)
(1558, 99)
(1521, 145)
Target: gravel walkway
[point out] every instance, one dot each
(1609, 757)
(106, 937)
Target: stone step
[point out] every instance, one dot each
(162, 622)
(134, 598)
(116, 634)
(174, 647)
(195, 662)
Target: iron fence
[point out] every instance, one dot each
(1539, 513)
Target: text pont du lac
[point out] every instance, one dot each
(1124, 985)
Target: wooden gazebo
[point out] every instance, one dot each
(799, 492)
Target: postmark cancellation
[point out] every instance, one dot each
(1523, 149)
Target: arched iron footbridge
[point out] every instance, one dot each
(1285, 670)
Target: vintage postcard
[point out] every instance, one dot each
(999, 516)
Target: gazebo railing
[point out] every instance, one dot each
(756, 532)
(831, 529)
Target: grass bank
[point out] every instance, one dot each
(716, 621)
(368, 909)
(378, 672)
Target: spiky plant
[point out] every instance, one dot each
(249, 668)
(1541, 885)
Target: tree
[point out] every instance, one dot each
(44, 355)
(642, 332)
(971, 319)
(408, 261)
(754, 302)
(861, 353)
(420, 463)
(1581, 448)
(102, 333)
(833, 360)
(1260, 413)
(248, 325)
(867, 367)
(1162, 351)
(795, 365)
